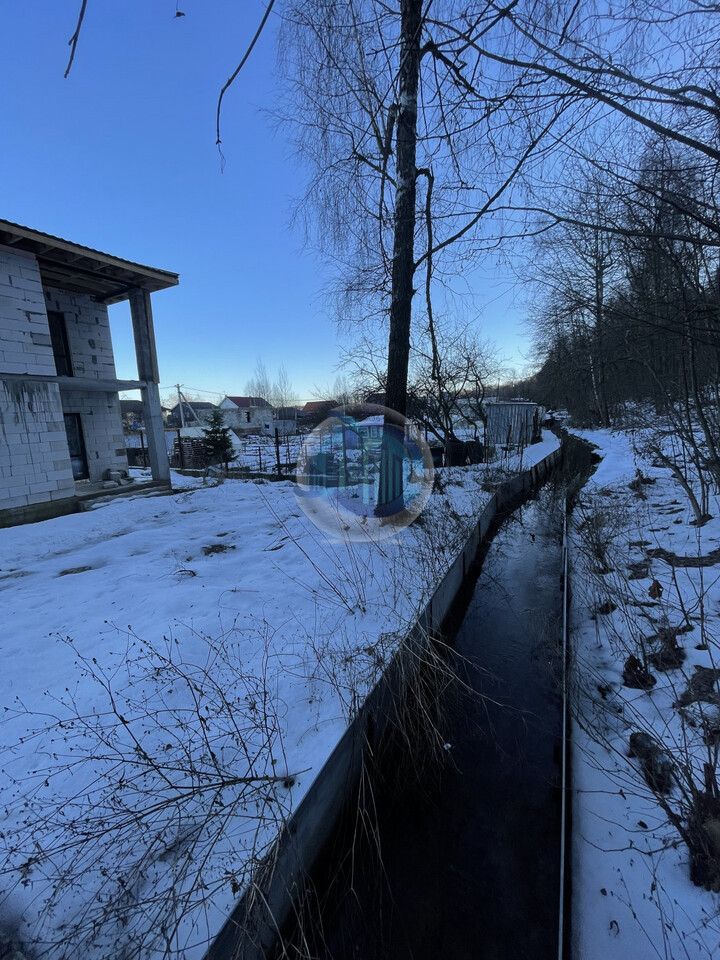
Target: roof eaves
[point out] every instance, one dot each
(65, 257)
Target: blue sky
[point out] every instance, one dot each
(121, 156)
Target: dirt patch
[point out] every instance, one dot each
(700, 688)
(660, 553)
(217, 548)
(605, 609)
(637, 676)
(15, 575)
(639, 570)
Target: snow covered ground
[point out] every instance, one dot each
(260, 454)
(176, 671)
(633, 896)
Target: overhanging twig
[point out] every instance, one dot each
(73, 41)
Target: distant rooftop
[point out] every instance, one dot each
(195, 405)
(79, 269)
(248, 401)
(318, 406)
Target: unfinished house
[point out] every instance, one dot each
(61, 434)
(245, 414)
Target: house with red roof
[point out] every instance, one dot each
(245, 414)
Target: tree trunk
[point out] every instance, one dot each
(599, 335)
(403, 266)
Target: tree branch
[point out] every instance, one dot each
(73, 41)
(237, 70)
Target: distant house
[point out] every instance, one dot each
(132, 414)
(194, 413)
(282, 419)
(285, 428)
(315, 411)
(61, 421)
(286, 413)
(245, 414)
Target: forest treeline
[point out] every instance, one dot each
(626, 314)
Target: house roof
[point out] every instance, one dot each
(248, 401)
(79, 269)
(127, 405)
(318, 406)
(195, 405)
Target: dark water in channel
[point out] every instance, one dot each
(462, 861)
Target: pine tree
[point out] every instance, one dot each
(218, 439)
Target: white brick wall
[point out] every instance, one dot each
(24, 335)
(234, 416)
(88, 331)
(34, 459)
(102, 429)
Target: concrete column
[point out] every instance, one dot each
(144, 335)
(155, 432)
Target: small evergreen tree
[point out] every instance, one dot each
(218, 439)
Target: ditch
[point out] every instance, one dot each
(462, 858)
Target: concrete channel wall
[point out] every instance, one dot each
(254, 925)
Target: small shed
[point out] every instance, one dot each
(511, 423)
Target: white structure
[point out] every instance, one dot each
(511, 423)
(60, 420)
(245, 414)
(285, 428)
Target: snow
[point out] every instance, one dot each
(538, 451)
(258, 453)
(376, 420)
(632, 892)
(176, 671)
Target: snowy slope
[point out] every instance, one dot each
(633, 896)
(176, 671)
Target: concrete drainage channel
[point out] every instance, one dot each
(255, 926)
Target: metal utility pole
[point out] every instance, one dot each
(180, 404)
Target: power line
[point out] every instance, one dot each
(214, 393)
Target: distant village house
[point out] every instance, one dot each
(246, 414)
(132, 414)
(191, 413)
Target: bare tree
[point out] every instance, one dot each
(417, 120)
(260, 385)
(573, 268)
(448, 384)
(409, 144)
(283, 394)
